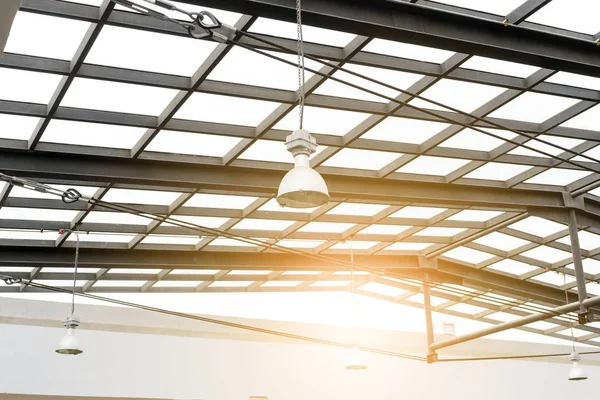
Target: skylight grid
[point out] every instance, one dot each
(322, 120)
(404, 130)
(473, 95)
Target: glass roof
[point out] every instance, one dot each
(144, 95)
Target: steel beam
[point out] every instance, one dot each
(403, 21)
(577, 261)
(169, 175)
(567, 308)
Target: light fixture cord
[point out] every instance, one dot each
(300, 44)
(567, 302)
(75, 271)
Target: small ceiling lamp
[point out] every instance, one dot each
(302, 187)
(577, 372)
(354, 363)
(69, 344)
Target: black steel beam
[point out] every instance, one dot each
(161, 174)
(411, 23)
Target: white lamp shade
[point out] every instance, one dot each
(69, 344)
(577, 372)
(302, 187)
(354, 362)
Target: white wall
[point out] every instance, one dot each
(141, 365)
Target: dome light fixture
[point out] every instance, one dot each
(577, 373)
(354, 363)
(69, 344)
(302, 187)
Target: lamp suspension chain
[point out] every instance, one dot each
(300, 45)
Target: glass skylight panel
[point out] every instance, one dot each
(138, 49)
(27, 86)
(119, 284)
(379, 288)
(586, 120)
(590, 265)
(239, 284)
(281, 284)
(547, 254)
(499, 66)
(401, 80)
(16, 269)
(587, 240)
(141, 271)
(311, 34)
(219, 201)
(501, 241)
(468, 255)
(37, 214)
(512, 267)
(472, 95)
(381, 229)
(361, 159)
(545, 106)
(194, 272)
(225, 109)
(554, 278)
(577, 80)
(330, 284)
(95, 3)
(21, 234)
(268, 150)
(408, 246)
(176, 284)
(439, 231)
(503, 7)
(427, 165)
(209, 222)
(558, 177)
(245, 67)
(497, 171)
(263, 224)
(475, 215)
(406, 50)
(563, 14)
(272, 205)
(102, 238)
(108, 217)
(16, 126)
(326, 227)
(356, 245)
(101, 95)
(502, 317)
(593, 288)
(300, 244)
(541, 325)
(92, 134)
(566, 143)
(191, 143)
(470, 139)
(61, 38)
(357, 209)
(230, 242)
(417, 212)
(538, 226)
(466, 308)
(404, 130)
(171, 239)
(135, 196)
(249, 272)
(322, 120)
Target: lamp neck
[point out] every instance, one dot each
(301, 160)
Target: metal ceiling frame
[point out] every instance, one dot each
(426, 23)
